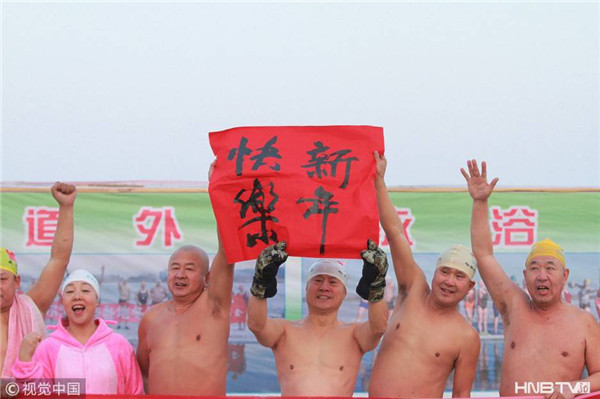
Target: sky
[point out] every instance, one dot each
(105, 91)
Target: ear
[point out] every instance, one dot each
(206, 278)
(18, 280)
(471, 285)
(566, 274)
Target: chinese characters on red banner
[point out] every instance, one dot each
(310, 186)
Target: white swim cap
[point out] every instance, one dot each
(328, 267)
(81, 275)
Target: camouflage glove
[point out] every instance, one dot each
(375, 265)
(264, 284)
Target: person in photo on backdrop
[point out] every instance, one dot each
(182, 347)
(124, 296)
(21, 314)
(545, 339)
(158, 293)
(319, 355)
(427, 337)
(82, 346)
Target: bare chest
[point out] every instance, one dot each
(416, 331)
(533, 339)
(173, 335)
(300, 349)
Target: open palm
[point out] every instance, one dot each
(479, 188)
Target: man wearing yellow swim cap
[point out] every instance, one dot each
(427, 338)
(21, 314)
(545, 339)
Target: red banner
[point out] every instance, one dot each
(312, 186)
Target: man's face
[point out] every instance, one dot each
(9, 284)
(325, 292)
(545, 277)
(80, 301)
(186, 275)
(449, 285)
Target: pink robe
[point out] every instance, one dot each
(107, 361)
(24, 317)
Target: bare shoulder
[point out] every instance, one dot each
(587, 321)
(466, 332)
(152, 314)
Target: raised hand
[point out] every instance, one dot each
(28, 346)
(375, 266)
(211, 169)
(380, 164)
(264, 283)
(479, 188)
(64, 193)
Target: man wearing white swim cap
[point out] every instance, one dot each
(545, 339)
(427, 338)
(319, 355)
(182, 347)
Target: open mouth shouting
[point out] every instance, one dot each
(78, 309)
(542, 289)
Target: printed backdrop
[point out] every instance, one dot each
(122, 236)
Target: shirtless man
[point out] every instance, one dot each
(38, 299)
(545, 339)
(427, 337)
(319, 355)
(182, 347)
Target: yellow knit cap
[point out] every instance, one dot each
(8, 261)
(547, 247)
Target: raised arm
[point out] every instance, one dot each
(406, 269)
(371, 287)
(264, 285)
(466, 366)
(221, 276)
(45, 289)
(502, 289)
(220, 283)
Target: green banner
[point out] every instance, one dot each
(126, 223)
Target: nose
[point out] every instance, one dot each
(542, 275)
(450, 279)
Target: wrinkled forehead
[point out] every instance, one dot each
(451, 269)
(544, 260)
(193, 256)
